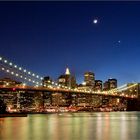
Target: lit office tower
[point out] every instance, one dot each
(67, 71)
(73, 82)
(106, 86)
(112, 83)
(67, 79)
(98, 85)
(89, 79)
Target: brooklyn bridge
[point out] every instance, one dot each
(35, 93)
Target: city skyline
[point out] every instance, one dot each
(47, 37)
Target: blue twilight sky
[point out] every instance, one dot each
(46, 37)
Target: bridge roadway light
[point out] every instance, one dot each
(0, 58)
(20, 68)
(15, 66)
(24, 70)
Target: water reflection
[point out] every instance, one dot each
(72, 126)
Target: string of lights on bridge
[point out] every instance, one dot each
(37, 82)
(20, 68)
(123, 87)
(35, 79)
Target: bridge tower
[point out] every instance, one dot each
(134, 104)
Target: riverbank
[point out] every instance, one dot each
(13, 115)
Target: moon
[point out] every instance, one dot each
(119, 41)
(95, 21)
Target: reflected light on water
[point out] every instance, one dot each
(72, 126)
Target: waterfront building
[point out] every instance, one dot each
(10, 97)
(9, 82)
(59, 99)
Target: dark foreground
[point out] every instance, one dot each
(13, 115)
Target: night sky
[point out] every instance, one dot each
(47, 37)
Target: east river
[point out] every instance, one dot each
(72, 126)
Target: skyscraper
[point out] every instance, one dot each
(106, 85)
(67, 71)
(67, 79)
(89, 79)
(98, 85)
(112, 83)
